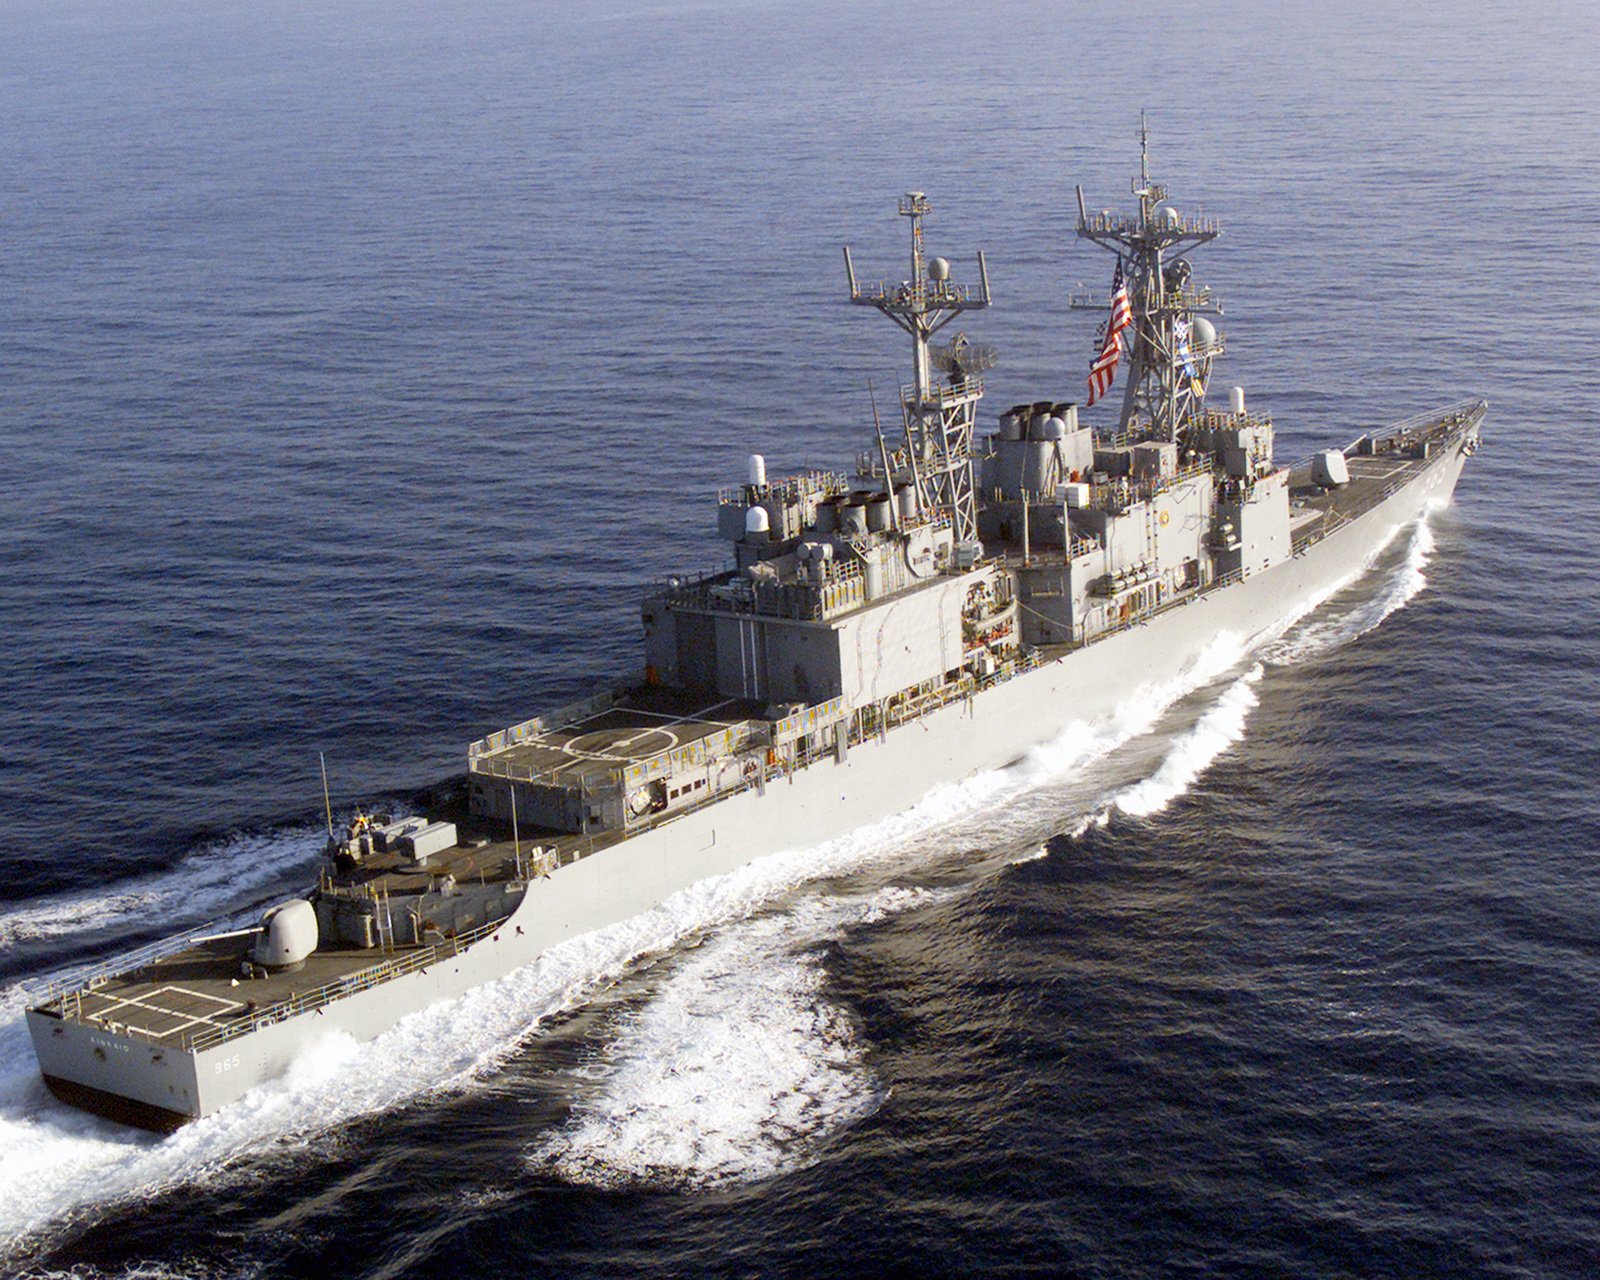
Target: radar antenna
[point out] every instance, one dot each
(1171, 351)
(960, 359)
(941, 417)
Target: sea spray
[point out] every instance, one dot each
(739, 1066)
(1190, 755)
(59, 1160)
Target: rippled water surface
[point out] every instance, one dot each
(358, 362)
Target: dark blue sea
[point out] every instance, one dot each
(360, 361)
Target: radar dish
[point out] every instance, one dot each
(961, 358)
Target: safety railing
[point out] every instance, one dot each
(941, 395)
(795, 488)
(359, 980)
(83, 981)
(1454, 414)
(939, 292)
(593, 705)
(1114, 224)
(1128, 490)
(841, 588)
(869, 722)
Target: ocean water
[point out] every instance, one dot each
(358, 363)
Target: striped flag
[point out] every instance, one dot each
(1104, 369)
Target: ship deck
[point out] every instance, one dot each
(596, 745)
(205, 991)
(1396, 457)
(202, 992)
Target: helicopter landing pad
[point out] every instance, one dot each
(654, 722)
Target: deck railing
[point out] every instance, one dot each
(1457, 413)
(396, 966)
(84, 980)
(593, 705)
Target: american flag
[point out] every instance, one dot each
(1104, 369)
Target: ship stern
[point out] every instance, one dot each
(116, 1076)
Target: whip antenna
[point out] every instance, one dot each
(327, 804)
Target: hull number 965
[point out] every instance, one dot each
(225, 1064)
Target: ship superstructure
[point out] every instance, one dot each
(946, 604)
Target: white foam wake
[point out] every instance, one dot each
(237, 1270)
(1194, 752)
(1335, 626)
(739, 1067)
(214, 878)
(54, 1161)
(1316, 628)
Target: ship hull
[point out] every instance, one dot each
(132, 1081)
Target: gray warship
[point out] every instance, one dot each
(953, 601)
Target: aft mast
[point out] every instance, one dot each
(939, 418)
(1172, 346)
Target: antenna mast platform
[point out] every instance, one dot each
(940, 418)
(1170, 353)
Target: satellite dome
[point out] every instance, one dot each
(939, 269)
(1167, 216)
(1053, 429)
(756, 520)
(1203, 332)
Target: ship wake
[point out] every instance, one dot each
(1334, 627)
(1322, 626)
(740, 1065)
(210, 880)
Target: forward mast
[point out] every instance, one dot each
(939, 416)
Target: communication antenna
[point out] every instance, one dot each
(1144, 150)
(516, 837)
(327, 804)
(942, 417)
(883, 452)
(1169, 349)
